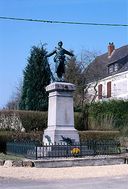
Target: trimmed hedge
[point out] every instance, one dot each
(7, 136)
(98, 135)
(20, 136)
(118, 107)
(111, 115)
(115, 111)
(79, 121)
(31, 120)
(16, 120)
(36, 137)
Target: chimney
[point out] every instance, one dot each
(111, 48)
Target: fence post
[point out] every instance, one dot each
(95, 147)
(67, 150)
(36, 153)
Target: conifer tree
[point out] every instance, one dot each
(37, 76)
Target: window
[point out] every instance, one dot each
(110, 69)
(100, 91)
(109, 89)
(115, 67)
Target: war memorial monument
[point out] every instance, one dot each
(60, 109)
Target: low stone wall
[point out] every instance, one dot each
(67, 162)
(89, 161)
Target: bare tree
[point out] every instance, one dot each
(79, 73)
(13, 103)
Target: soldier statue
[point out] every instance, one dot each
(59, 59)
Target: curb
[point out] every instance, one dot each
(88, 161)
(67, 162)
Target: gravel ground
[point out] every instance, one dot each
(64, 173)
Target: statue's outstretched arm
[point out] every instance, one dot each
(68, 53)
(50, 54)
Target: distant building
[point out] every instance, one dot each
(108, 75)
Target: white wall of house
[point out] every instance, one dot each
(119, 87)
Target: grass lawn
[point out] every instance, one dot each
(10, 157)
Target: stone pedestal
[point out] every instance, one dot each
(60, 113)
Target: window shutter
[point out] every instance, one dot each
(109, 89)
(100, 91)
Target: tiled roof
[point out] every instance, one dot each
(98, 69)
(118, 54)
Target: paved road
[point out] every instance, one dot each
(91, 183)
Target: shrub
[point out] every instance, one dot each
(79, 121)
(115, 110)
(7, 136)
(16, 120)
(98, 135)
(102, 122)
(10, 120)
(28, 137)
(33, 120)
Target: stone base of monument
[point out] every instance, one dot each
(60, 114)
(57, 134)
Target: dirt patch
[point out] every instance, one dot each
(64, 173)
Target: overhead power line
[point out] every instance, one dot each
(61, 22)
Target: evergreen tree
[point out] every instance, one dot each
(37, 76)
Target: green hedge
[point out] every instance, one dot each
(16, 120)
(118, 107)
(31, 120)
(7, 136)
(98, 135)
(79, 121)
(19, 136)
(115, 112)
(106, 115)
(110, 115)
(38, 121)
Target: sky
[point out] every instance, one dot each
(17, 37)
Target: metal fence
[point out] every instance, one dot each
(88, 148)
(25, 149)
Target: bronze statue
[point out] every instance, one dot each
(59, 59)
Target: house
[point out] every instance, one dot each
(108, 75)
